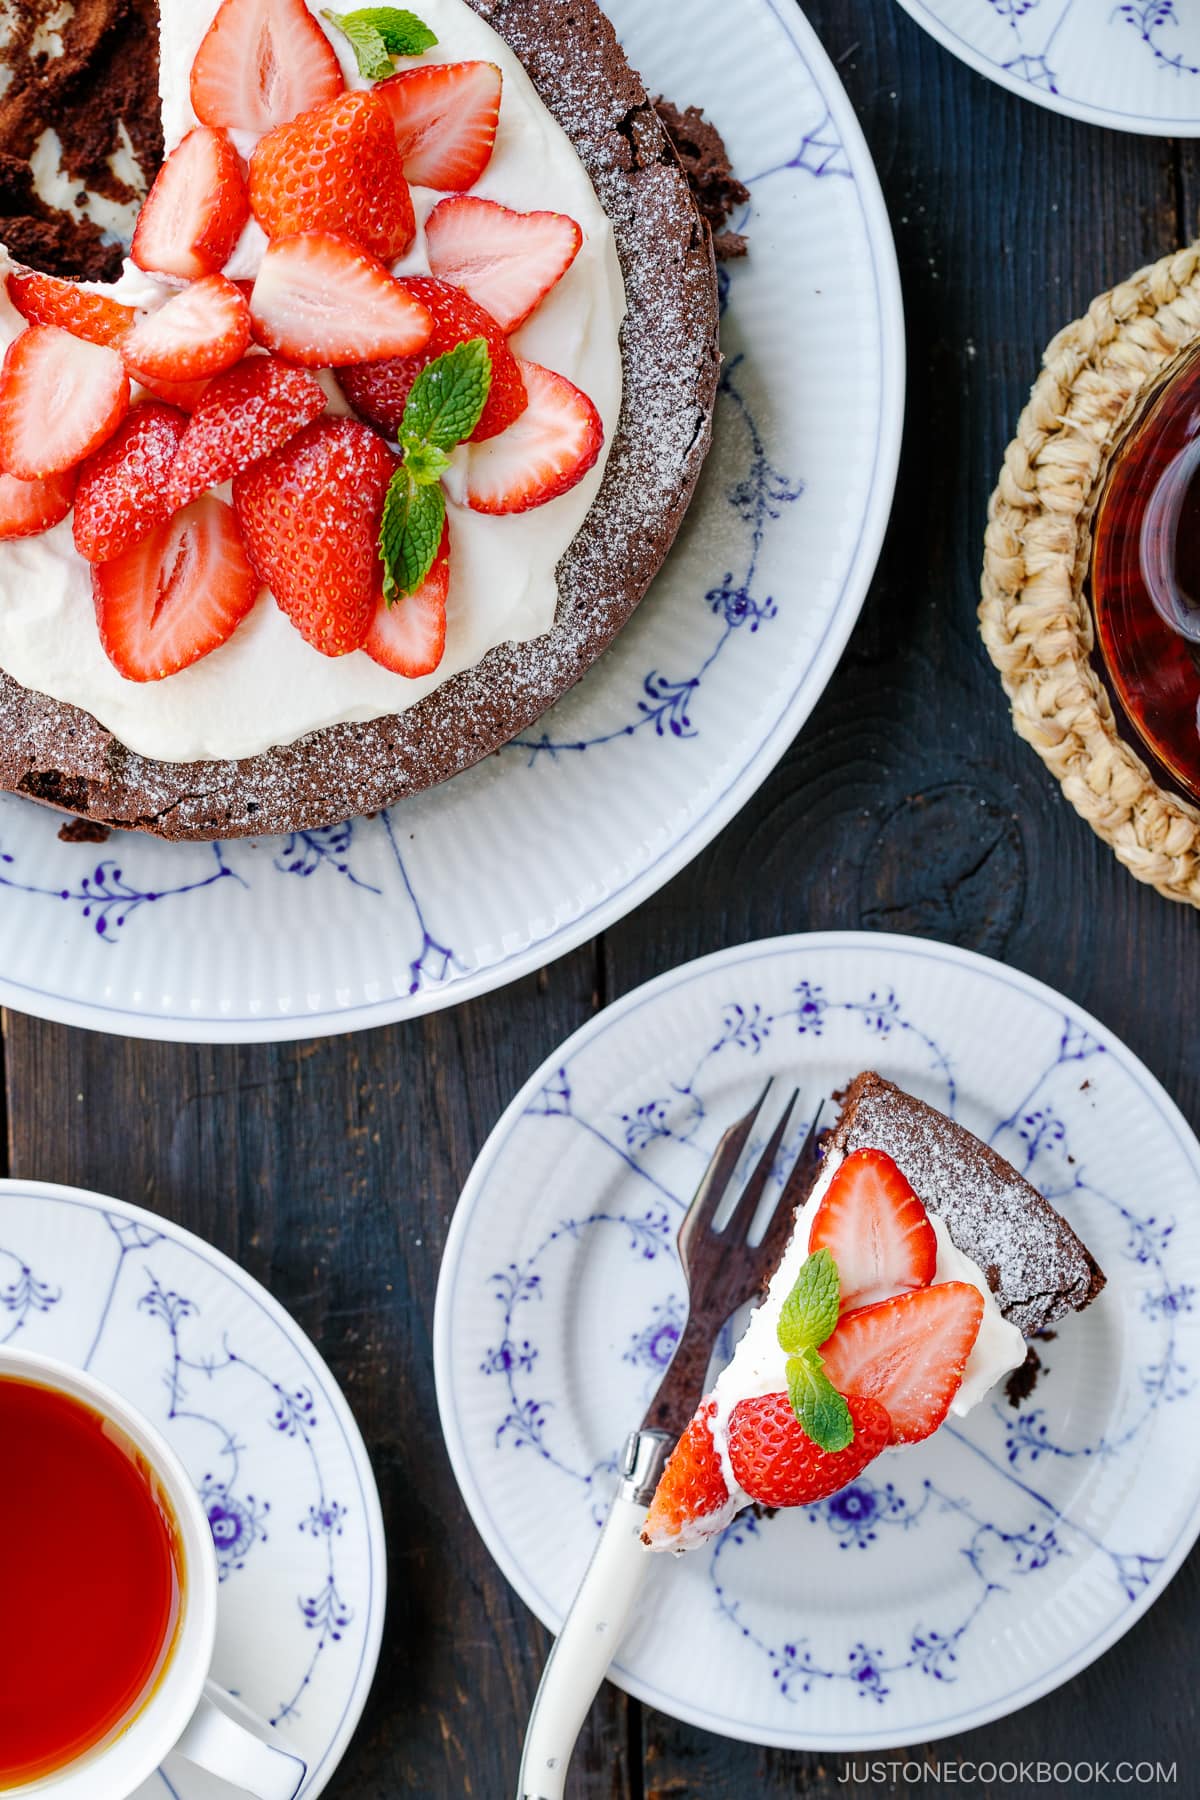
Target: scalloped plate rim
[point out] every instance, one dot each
(16, 1186)
(297, 1025)
(757, 949)
(1140, 124)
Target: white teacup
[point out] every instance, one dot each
(185, 1715)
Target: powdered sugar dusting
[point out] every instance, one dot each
(1034, 1263)
(671, 364)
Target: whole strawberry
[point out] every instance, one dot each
(336, 168)
(309, 516)
(776, 1462)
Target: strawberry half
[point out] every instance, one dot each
(198, 332)
(186, 395)
(60, 398)
(176, 596)
(336, 168)
(507, 261)
(409, 636)
(319, 300)
(908, 1353)
(550, 448)
(379, 391)
(310, 516)
(122, 492)
(776, 1462)
(46, 300)
(691, 1487)
(445, 116)
(27, 508)
(244, 415)
(195, 213)
(260, 63)
(876, 1230)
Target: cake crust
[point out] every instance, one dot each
(1033, 1262)
(58, 754)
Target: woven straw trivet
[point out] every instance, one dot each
(1035, 621)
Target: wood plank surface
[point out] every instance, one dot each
(330, 1170)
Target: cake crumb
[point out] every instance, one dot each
(83, 831)
(701, 149)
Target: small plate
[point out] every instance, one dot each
(240, 1393)
(487, 878)
(1133, 65)
(953, 1582)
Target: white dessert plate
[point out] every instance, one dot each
(951, 1583)
(1134, 66)
(621, 784)
(240, 1393)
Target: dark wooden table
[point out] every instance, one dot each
(330, 1170)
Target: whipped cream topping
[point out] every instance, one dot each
(266, 686)
(757, 1365)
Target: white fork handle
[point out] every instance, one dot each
(594, 1627)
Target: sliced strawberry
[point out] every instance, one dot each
(409, 636)
(195, 213)
(336, 168)
(260, 63)
(244, 415)
(379, 391)
(310, 515)
(692, 1486)
(46, 300)
(507, 261)
(198, 332)
(776, 1462)
(186, 395)
(908, 1353)
(176, 596)
(122, 492)
(27, 508)
(445, 116)
(553, 444)
(60, 398)
(876, 1230)
(320, 300)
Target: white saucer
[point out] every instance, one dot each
(258, 1420)
(1133, 65)
(954, 1582)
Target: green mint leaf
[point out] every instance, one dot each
(426, 463)
(448, 397)
(820, 1409)
(378, 34)
(810, 1312)
(410, 533)
(401, 30)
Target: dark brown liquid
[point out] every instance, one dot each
(1146, 540)
(90, 1581)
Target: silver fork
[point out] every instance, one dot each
(722, 1270)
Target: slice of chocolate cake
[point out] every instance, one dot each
(615, 344)
(919, 1262)
(1034, 1263)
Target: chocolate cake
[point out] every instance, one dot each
(60, 755)
(1034, 1263)
(918, 1262)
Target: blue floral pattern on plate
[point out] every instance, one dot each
(261, 1426)
(944, 1603)
(624, 780)
(1134, 64)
